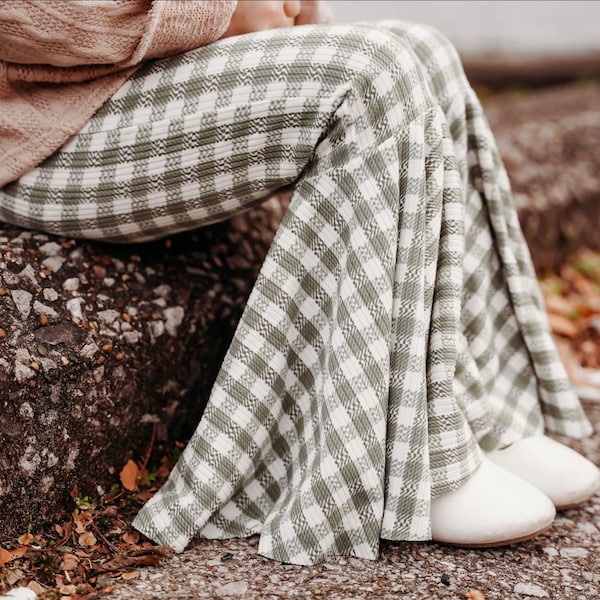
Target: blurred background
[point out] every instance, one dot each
(533, 27)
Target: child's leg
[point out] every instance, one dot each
(508, 362)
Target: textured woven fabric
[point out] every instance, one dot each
(395, 327)
(60, 61)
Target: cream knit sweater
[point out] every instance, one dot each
(61, 60)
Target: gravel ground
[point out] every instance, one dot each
(562, 564)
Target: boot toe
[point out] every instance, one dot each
(562, 474)
(493, 508)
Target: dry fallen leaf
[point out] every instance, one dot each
(82, 520)
(67, 590)
(562, 326)
(560, 305)
(131, 537)
(25, 539)
(36, 587)
(69, 562)
(7, 556)
(130, 575)
(128, 476)
(87, 539)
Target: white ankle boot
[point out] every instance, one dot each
(493, 508)
(566, 477)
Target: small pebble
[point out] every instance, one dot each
(574, 552)
(54, 263)
(235, 588)
(22, 300)
(530, 589)
(50, 294)
(71, 284)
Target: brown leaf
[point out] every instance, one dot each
(560, 305)
(130, 575)
(7, 556)
(131, 537)
(562, 326)
(67, 590)
(140, 557)
(128, 476)
(25, 539)
(145, 495)
(82, 520)
(36, 587)
(69, 562)
(87, 539)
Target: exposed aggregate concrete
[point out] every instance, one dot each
(104, 348)
(562, 564)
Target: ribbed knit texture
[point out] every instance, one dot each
(60, 61)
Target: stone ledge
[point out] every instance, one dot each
(100, 344)
(549, 140)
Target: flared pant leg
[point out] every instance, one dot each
(510, 382)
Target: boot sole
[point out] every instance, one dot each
(497, 544)
(576, 504)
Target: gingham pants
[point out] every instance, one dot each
(395, 327)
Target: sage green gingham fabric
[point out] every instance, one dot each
(395, 327)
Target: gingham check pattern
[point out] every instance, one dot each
(395, 326)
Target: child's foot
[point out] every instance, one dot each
(566, 477)
(493, 508)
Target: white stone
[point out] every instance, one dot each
(174, 316)
(42, 309)
(54, 263)
(109, 316)
(22, 300)
(89, 350)
(162, 291)
(30, 460)
(22, 369)
(74, 307)
(71, 284)
(26, 411)
(50, 249)
(530, 589)
(99, 374)
(50, 294)
(574, 552)
(235, 588)
(589, 528)
(47, 363)
(29, 273)
(71, 458)
(157, 328)
(132, 337)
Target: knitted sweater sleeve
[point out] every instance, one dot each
(121, 33)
